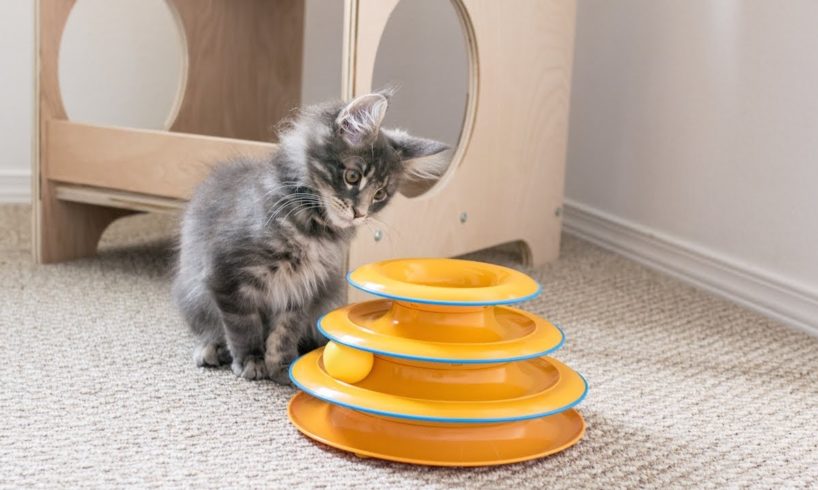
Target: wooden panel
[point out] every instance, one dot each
(510, 177)
(244, 66)
(51, 18)
(348, 61)
(244, 74)
(117, 199)
(62, 231)
(144, 161)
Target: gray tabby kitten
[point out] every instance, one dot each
(264, 243)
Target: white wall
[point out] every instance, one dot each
(697, 121)
(16, 98)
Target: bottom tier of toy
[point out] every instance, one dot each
(432, 443)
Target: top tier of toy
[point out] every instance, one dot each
(445, 282)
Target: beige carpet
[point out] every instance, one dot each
(97, 387)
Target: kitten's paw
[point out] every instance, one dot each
(278, 366)
(253, 368)
(211, 354)
(280, 374)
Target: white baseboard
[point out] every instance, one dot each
(775, 297)
(15, 186)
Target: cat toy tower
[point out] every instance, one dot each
(440, 372)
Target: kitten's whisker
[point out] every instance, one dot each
(281, 186)
(275, 209)
(289, 199)
(287, 187)
(295, 194)
(298, 209)
(279, 213)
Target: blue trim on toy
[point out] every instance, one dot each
(440, 419)
(444, 303)
(442, 360)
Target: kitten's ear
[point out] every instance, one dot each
(359, 122)
(424, 160)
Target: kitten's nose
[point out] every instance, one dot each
(357, 214)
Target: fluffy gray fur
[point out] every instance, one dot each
(263, 243)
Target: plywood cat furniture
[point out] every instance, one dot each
(504, 185)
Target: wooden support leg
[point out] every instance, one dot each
(66, 230)
(524, 249)
(537, 252)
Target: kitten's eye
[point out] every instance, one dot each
(380, 195)
(352, 176)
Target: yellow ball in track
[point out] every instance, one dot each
(347, 364)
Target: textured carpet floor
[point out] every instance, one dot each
(97, 387)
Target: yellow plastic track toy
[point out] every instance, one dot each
(439, 373)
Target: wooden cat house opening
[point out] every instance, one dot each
(504, 185)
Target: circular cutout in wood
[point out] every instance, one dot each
(426, 53)
(122, 63)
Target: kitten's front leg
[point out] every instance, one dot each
(243, 329)
(282, 347)
(238, 298)
(244, 334)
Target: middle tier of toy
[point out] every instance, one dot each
(436, 333)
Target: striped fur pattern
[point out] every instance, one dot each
(263, 243)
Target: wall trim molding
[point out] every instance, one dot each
(15, 186)
(790, 303)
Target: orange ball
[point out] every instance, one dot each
(347, 364)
